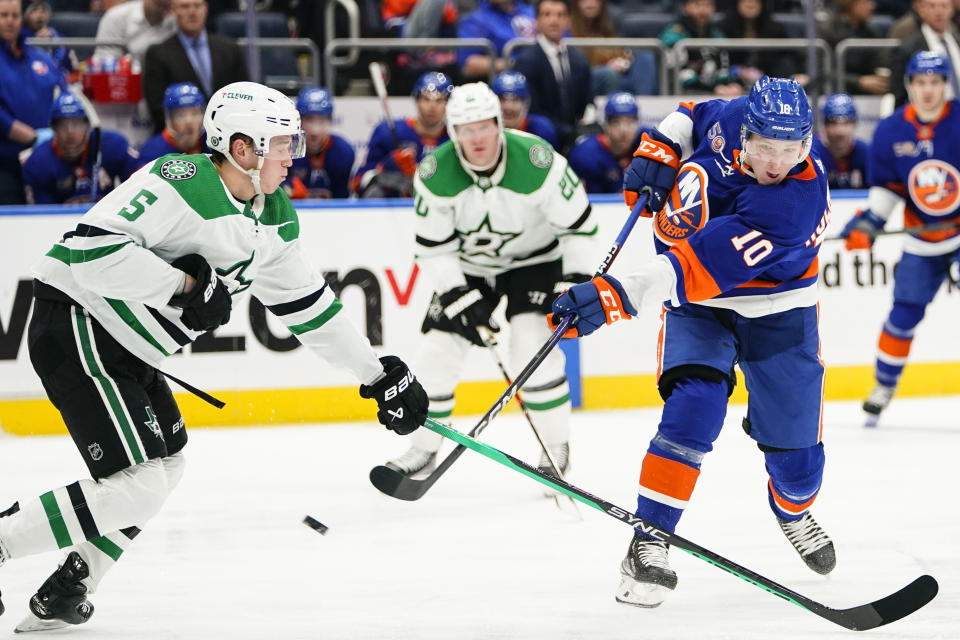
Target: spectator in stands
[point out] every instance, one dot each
(907, 25)
(863, 72)
(28, 78)
(139, 23)
(61, 170)
(498, 21)
(612, 69)
(752, 19)
(394, 151)
(706, 70)
(324, 172)
(183, 106)
(843, 156)
(936, 34)
(36, 24)
(558, 76)
(600, 159)
(511, 87)
(420, 18)
(190, 55)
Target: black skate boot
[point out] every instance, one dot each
(646, 576)
(810, 541)
(414, 462)
(61, 600)
(876, 402)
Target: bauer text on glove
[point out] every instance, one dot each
(402, 403)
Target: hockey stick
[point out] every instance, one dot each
(396, 484)
(96, 141)
(943, 226)
(860, 618)
(376, 76)
(490, 342)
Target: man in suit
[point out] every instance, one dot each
(190, 55)
(936, 34)
(558, 76)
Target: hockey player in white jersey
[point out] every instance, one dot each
(155, 264)
(499, 214)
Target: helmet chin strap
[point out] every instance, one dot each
(253, 173)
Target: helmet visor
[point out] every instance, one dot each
(287, 147)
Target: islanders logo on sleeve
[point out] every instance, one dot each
(934, 186)
(686, 210)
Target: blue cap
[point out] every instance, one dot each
(511, 84)
(315, 101)
(433, 81)
(839, 107)
(621, 104)
(778, 108)
(928, 62)
(67, 106)
(181, 95)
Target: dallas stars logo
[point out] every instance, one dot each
(236, 273)
(484, 240)
(152, 423)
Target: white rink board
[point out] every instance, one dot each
(374, 242)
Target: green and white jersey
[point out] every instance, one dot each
(116, 263)
(531, 209)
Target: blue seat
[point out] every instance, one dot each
(795, 24)
(75, 24)
(644, 25)
(881, 24)
(274, 63)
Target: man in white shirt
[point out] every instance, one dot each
(138, 23)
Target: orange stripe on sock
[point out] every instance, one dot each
(669, 477)
(893, 346)
(697, 282)
(786, 505)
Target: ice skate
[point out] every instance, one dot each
(415, 462)
(811, 542)
(61, 601)
(646, 576)
(876, 402)
(561, 455)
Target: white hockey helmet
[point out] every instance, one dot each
(267, 116)
(473, 102)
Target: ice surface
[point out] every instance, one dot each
(484, 556)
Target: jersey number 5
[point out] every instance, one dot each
(137, 207)
(756, 251)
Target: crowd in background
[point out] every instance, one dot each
(184, 58)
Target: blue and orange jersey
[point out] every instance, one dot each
(52, 180)
(382, 144)
(324, 174)
(732, 242)
(845, 172)
(600, 170)
(540, 126)
(163, 144)
(919, 162)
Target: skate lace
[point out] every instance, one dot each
(651, 554)
(880, 395)
(413, 460)
(805, 534)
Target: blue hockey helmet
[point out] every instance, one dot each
(433, 82)
(66, 105)
(511, 84)
(182, 95)
(839, 107)
(621, 104)
(778, 108)
(315, 101)
(928, 62)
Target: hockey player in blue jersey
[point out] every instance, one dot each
(393, 152)
(843, 156)
(324, 172)
(59, 170)
(183, 106)
(914, 159)
(511, 87)
(738, 228)
(601, 158)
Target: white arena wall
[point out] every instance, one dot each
(256, 366)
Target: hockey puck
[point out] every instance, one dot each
(315, 524)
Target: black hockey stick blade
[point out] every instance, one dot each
(868, 616)
(396, 485)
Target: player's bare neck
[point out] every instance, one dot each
(238, 183)
(427, 132)
(929, 115)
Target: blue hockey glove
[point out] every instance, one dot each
(862, 230)
(597, 302)
(653, 170)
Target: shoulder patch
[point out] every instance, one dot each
(428, 167)
(178, 170)
(541, 156)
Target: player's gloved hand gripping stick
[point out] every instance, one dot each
(395, 484)
(401, 401)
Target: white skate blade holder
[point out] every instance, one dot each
(33, 623)
(641, 594)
